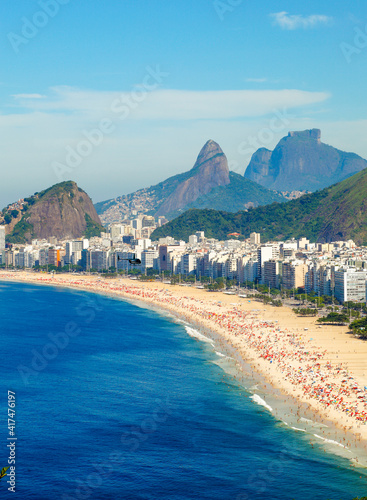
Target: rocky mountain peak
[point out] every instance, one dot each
(301, 162)
(314, 133)
(210, 171)
(210, 149)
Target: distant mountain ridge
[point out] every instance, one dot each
(207, 184)
(302, 162)
(335, 213)
(63, 210)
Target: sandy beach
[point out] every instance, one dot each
(323, 368)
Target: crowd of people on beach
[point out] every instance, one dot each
(299, 362)
(293, 357)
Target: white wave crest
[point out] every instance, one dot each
(197, 335)
(307, 420)
(261, 402)
(331, 441)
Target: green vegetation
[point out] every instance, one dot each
(218, 284)
(31, 200)
(93, 228)
(215, 224)
(65, 269)
(58, 189)
(356, 306)
(334, 318)
(268, 300)
(235, 195)
(9, 216)
(359, 328)
(335, 213)
(305, 311)
(22, 232)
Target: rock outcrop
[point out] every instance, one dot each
(64, 211)
(302, 162)
(210, 171)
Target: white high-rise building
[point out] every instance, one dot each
(188, 263)
(264, 253)
(149, 259)
(72, 247)
(117, 230)
(350, 285)
(255, 238)
(193, 239)
(2, 238)
(250, 270)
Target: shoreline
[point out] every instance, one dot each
(323, 383)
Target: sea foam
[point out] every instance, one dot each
(331, 441)
(261, 402)
(221, 355)
(197, 335)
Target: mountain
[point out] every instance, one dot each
(336, 213)
(301, 161)
(210, 171)
(239, 194)
(63, 210)
(208, 184)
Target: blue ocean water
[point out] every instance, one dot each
(114, 401)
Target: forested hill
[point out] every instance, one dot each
(338, 212)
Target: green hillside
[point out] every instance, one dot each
(235, 196)
(338, 212)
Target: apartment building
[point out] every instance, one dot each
(271, 273)
(350, 285)
(293, 275)
(2, 238)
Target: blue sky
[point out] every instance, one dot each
(122, 94)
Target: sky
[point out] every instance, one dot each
(120, 95)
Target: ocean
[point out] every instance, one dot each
(116, 401)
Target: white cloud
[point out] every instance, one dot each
(161, 137)
(173, 104)
(28, 96)
(293, 22)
